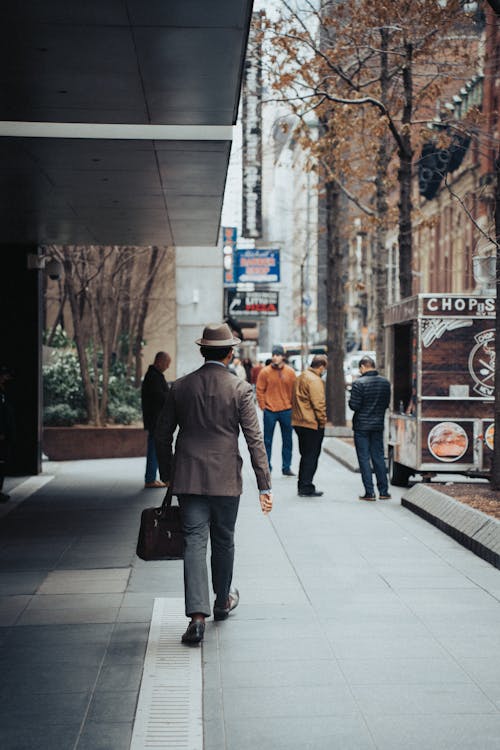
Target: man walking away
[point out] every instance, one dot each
(274, 396)
(308, 420)
(370, 397)
(209, 406)
(154, 391)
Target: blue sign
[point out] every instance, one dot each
(257, 266)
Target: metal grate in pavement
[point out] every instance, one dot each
(169, 712)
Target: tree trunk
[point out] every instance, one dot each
(383, 159)
(405, 181)
(143, 312)
(125, 340)
(59, 318)
(335, 383)
(91, 403)
(495, 472)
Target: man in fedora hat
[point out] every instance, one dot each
(209, 406)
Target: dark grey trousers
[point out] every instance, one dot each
(203, 515)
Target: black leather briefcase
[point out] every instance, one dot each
(160, 532)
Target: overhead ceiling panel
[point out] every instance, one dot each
(117, 61)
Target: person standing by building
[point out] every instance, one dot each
(6, 428)
(308, 420)
(154, 392)
(370, 397)
(274, 395)
(209, 406)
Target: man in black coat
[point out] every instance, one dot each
(153, 396)
(370, 397)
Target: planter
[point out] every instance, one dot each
(82, 442)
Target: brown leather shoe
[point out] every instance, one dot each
(221, 613)
(155, 484)
(367, 497)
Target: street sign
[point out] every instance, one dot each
(252, 304)
(257, 266)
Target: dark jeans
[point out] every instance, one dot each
(370, 446)
(310, 449)
(285, 421)
(201, 515)
(151, 460)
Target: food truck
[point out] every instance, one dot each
(441, 350)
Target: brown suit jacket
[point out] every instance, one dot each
(209, 406)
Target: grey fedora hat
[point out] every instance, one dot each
(217, 335)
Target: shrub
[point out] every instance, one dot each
(59, 338)
(62, 383)
(60, 415)
(62, 386)
(123, 395)
(123, 414)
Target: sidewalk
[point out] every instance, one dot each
(360, 625)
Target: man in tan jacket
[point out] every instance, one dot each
(209, 406)
(308, 420)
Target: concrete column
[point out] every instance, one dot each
(199, 292)
(21, 349)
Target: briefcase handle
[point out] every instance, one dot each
(167, 500)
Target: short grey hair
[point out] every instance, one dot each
(367, 361)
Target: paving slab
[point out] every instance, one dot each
(477, 531)
(360, 626)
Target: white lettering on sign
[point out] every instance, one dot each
(460, 305)
(482, 363)
(435, 327)
(252, 136)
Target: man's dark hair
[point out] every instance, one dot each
(319, 360)
(218, 353)
(367, 361)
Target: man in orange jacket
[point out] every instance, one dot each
(274, 396)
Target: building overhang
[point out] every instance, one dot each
(116, 119)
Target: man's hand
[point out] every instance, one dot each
(266, 502)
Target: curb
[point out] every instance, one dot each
(472, 528)
(342, 452)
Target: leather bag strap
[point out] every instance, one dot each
(167, 500)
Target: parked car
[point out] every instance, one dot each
(351, 366)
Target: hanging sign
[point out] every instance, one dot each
(252, 304)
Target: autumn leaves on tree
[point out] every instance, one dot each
(365, 79)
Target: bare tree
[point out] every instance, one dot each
(108, 291)
(390, 57)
